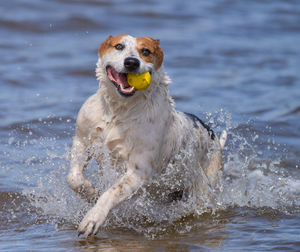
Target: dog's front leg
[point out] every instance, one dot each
(123, 189)
(79, 160)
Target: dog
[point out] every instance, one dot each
(140, 128)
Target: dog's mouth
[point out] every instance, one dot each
(120, 81)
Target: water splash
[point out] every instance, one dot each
(250, 180)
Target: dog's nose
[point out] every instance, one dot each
(131, 64)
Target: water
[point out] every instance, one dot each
(234, 64)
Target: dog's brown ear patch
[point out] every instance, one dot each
(104, 46)
(159, 55)
(108, 45)
(156, 54)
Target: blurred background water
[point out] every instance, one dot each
(235, 64)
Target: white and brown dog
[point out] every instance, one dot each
(141, 129)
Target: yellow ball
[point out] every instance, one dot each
(139, 81)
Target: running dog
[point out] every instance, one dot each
(140, 128)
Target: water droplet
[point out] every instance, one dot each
(11, 140)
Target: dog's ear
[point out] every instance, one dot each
(154, 41)
(159, 54)
(104, 46)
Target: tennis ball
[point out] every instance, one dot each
(139, 81)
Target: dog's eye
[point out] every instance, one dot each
(119, 47)
(146, 52)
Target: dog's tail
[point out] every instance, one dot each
(223, 138)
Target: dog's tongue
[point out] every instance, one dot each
(119, 78)
(122, 80)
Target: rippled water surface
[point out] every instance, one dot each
(235, 64)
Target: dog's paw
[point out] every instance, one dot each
(91, 222)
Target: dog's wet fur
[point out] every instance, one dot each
(141, 129)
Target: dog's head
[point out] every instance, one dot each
(125, 54)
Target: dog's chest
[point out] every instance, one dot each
(115, 140)
(114, 137)
(125, 138)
